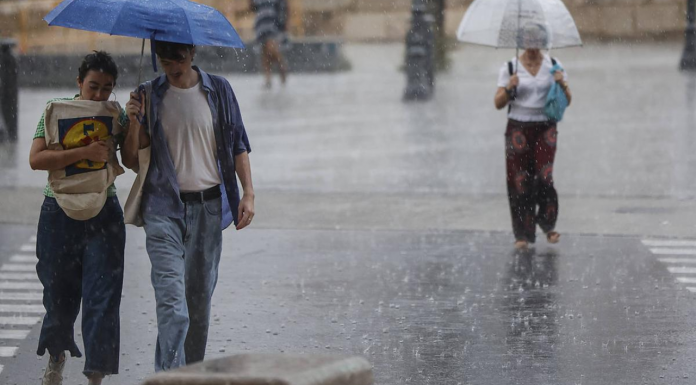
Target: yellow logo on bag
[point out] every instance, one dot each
(82, 132)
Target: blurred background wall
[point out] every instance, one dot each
(349, 20)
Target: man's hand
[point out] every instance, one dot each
(96, 152)
(135, 108)
(246, 211)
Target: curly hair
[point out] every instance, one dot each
(98, 61)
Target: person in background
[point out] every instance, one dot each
(530, 138)
(270, 27)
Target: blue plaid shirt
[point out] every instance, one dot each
(161, 189)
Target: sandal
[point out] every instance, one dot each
(553, 237)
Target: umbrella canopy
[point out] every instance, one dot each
(519, 24)
(177, 21)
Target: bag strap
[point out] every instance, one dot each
(553, 61)
(511, 71)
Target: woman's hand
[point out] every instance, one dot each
(96, 151)
(558, 76)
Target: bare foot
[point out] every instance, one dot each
(553, 237)
(95, 378)
(521, 245)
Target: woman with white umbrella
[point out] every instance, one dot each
(523, 85)
(530, 146)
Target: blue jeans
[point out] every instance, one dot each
(82, 261)
(185, 255)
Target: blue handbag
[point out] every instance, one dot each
(556, 100)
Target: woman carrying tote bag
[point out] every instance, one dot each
(530, 138)
(81, 234)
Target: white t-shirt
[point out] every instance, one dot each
(188, 128)
(531, 92)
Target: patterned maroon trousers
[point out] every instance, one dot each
(530, 149)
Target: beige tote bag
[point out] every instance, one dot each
(132, 212)
(80, 189)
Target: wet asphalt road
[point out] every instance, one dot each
(429, 308)
(382, 230)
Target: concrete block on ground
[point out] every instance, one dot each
(271, 369)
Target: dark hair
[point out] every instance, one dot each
(98, 61)
(172, 51)
(535, 32)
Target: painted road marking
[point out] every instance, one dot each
(682, 270)
(21, 296)
(14, 334)
(23, 258)
(687, 261)
(17, 267)
(13, 285)
(18, 308)
(18, 282)
(8, 351)
(669, 251)
(19, 276)
(27, 248)
(17, 320)
(686, 280)
(679, 256)
(668, 243)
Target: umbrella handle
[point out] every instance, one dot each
(140, 67)
(140, 91)
(152, 52)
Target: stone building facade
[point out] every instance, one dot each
(352, 21)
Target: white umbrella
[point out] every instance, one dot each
(512, 23)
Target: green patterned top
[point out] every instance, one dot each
(41, 133)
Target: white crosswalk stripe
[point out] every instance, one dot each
(18, 276)
(19, 308)
(682, 270)
(17, 267)
(21, 295)
(14, 285)
(27, 248)
(676, 261)
(678, 256)
(670, 251)
(23, 258)
(8, 351)
(668, 243)
(17, 320)
(14, 334)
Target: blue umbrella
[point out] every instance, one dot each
(177, 21)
